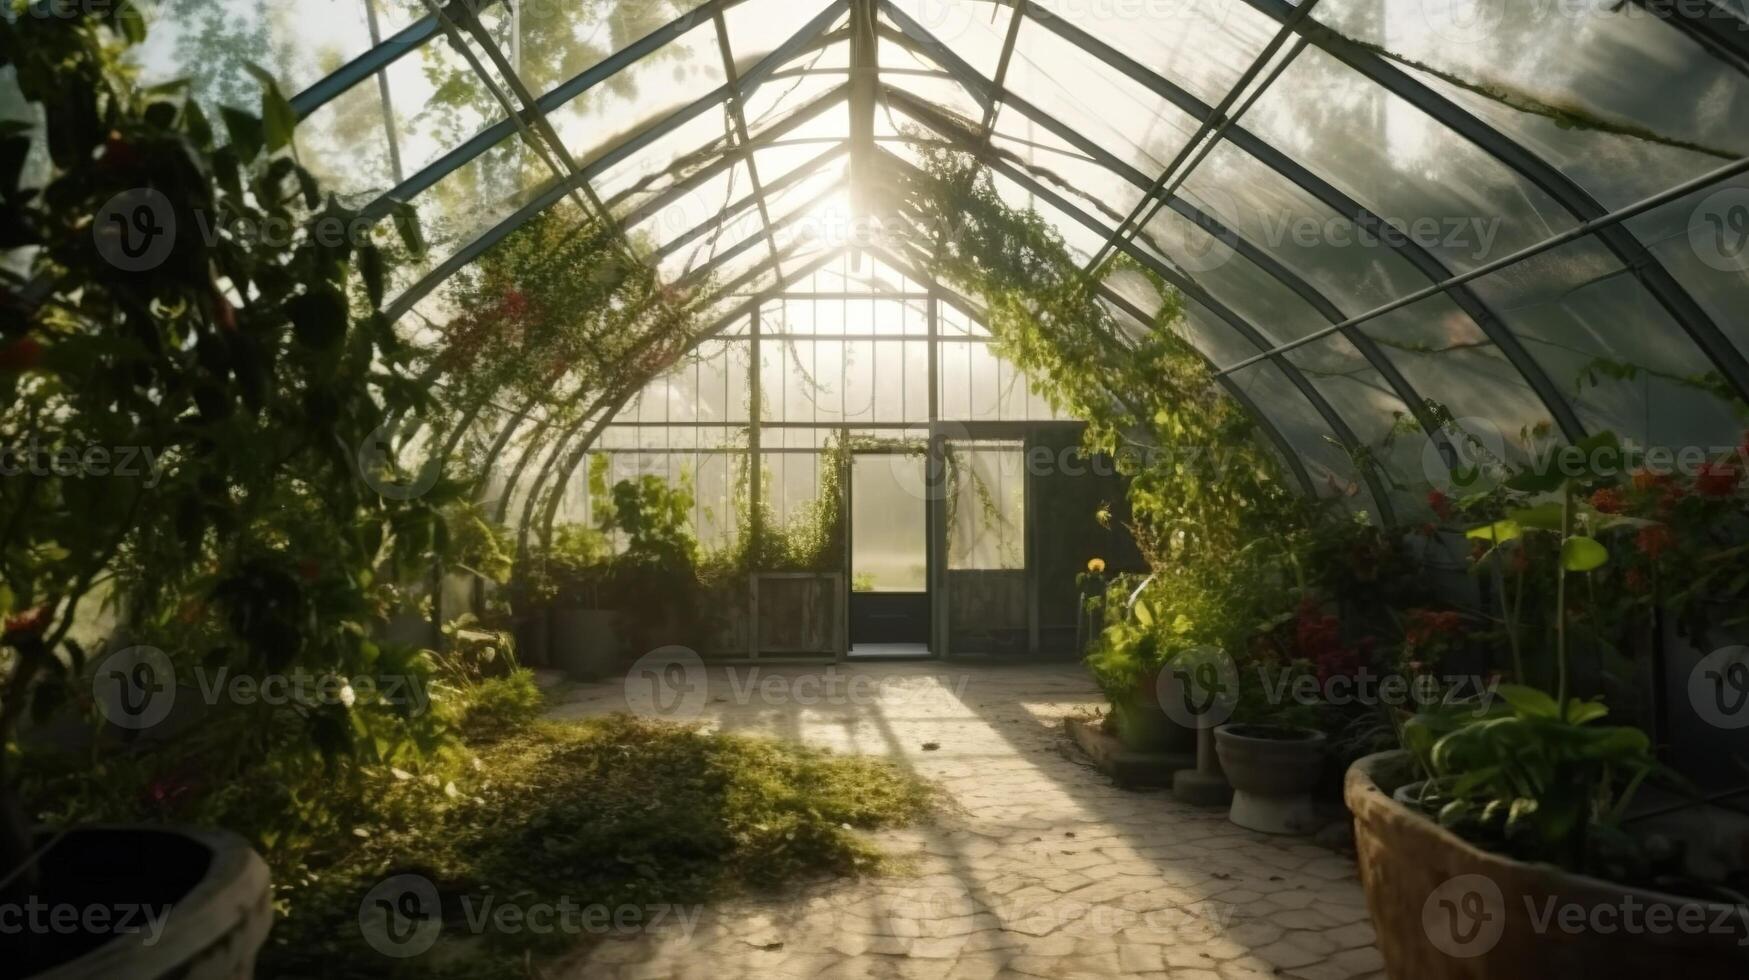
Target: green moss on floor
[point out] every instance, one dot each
(607, 814)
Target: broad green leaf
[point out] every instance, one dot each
(1529, 701)
(1543, 517)
(1583, 712)
(246, 134)
(1497, 532)
(1582, 554)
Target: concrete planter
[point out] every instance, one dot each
(215, 888)
(1273, 771)
(585, 643)
(1445, 909)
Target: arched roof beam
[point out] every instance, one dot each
(1491, 325)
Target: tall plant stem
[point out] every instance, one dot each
(1561, 601)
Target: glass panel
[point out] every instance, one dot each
(1703, 239)
(986, 506)
(210, 41)
(1123, 117)
(1603, 338)
(642, 94)
(975, 31)
(1402, 164)
(1202, 45)
(1605, 90)
(888, 541)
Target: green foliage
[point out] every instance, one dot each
(252, 368)
(615, 811)
(1531, 776)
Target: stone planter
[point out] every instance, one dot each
(1142, 726)
(1273, 771)
(1445, 909)
(208, 894)
(585, 643)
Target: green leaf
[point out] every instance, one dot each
(370, 269)
(1584, 712)
(246, 133)
(1498, 532)
(1529, 701)
(1144, 615)
(318, 317)
(1582, 554)
(1543, 517)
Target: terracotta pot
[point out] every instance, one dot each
(1273, 771)
(1445, 909)
(194, 904)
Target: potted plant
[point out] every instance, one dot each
(207, 385)
(1126, 660)
(1273, 769)
(1500, 825)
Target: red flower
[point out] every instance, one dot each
(1654, 541)
(21, 355)
(1717, 479)
(1440, 503)
(1608, 500)
(1635, 580)
(31, 621)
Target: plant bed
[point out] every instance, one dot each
(1126, 766)
(1445, 909)
(1273, 769)
(171, 902)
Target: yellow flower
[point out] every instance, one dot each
(1096, 566)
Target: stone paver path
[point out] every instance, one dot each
(1040, 867)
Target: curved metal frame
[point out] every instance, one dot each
(1705, 28)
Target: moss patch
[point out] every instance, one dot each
(609, 814)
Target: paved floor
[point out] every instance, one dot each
(1041, 868)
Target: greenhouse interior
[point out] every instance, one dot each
(1201, 489)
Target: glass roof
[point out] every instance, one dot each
(1377, 210)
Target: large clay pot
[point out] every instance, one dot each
(1445, 909)
(1273, 770)
(200, 901)
(1142, 726)
(585, 643)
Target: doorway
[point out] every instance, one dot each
(889, 554)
